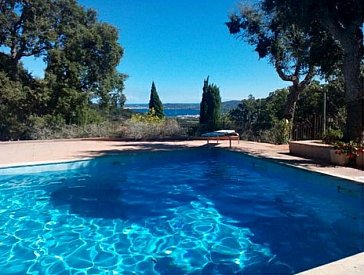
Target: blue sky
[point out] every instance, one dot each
(177, 44)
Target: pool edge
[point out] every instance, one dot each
(351, 265)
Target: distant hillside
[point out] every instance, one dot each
(229, 105)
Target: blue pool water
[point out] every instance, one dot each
(197, 211)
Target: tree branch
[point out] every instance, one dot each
(297, 69)
(311, 73)
(281, 74)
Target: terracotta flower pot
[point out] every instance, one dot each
(338, 159)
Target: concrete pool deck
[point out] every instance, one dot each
(17, 153)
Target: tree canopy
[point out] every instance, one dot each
(80, 55)
(254, 118)
(341, 21)
(295, 53)
(27, 28)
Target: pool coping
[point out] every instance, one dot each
(352, 265)
(355, 180)
(42, 163)
(279, 154)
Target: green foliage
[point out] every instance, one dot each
(14, 108)
(351, 148)
(272, 108)
(203, 104)
(311, 101)
(81, 55)
(144, 129)
(47, 127)
(149, 118)
(297, 54)
(332, 135)
(155, 104)
(210, 107)
(150, 126)
(88, 115)
(82, 64)
(27, 29)
(282, 131)
(260, 119)
(342, 21)
(247, 113)
(254, 117)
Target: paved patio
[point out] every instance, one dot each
(31, 152)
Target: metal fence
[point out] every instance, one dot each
(310, 128)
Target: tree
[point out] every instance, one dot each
(246, 114)
(113, 90)
(343, 20)
(256, 115)
(26, 29)
(155, 103)
(80, 54)
(292, 52)
(19, 100)
(311, 103)
(81, 65)
(203, 104)
(210, 106)
(273, 108)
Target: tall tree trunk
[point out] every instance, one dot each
(290, 108)
(14, 69)
(354, 96)
(14, 61)
(292, 98)
(354, 122)
(351, 41)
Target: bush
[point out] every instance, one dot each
(143, 129)
(281, 131)
(49, 127)
(332, 135)
(267, 136)
(149, 118)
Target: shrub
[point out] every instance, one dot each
(267, 136)
(332, 135)
(149, 118)
(143, 129)
(49, 127)
(281, 131)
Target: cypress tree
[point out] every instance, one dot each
(203, 104)
(155, 103)
(210, 106)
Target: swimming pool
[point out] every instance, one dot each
(196, 211)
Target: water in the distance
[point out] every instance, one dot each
(180, 212)
(180, 110)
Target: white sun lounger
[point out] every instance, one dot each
(222, 135)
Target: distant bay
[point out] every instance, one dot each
(180, 110)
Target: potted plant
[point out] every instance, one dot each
(343, 152)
